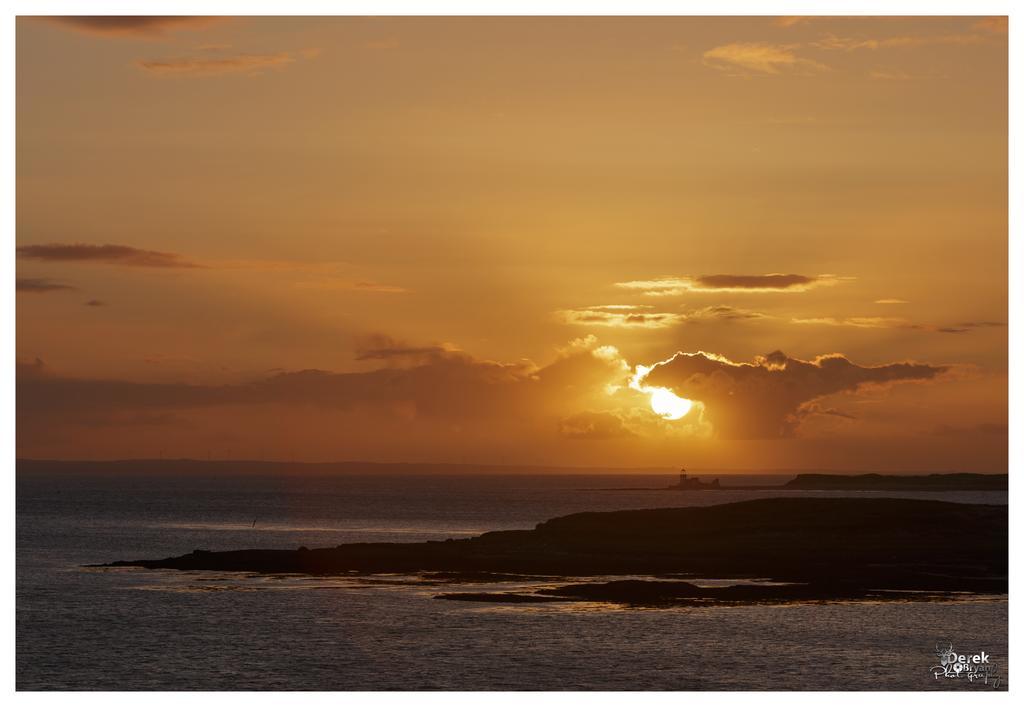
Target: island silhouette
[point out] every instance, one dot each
(809, 548)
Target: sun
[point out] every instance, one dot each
(669, 405)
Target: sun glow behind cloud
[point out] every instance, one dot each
(669, 405)
(664, 402)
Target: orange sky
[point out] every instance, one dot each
(456, 240)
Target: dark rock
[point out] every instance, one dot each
(837, 545)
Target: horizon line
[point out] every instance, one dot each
(498, 466)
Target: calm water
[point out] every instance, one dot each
(136, 629)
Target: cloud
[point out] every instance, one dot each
(723, 312)
(419, 403)
(620, 316)
(428, 404)
(759, 283)
(213, 65)
(325, 272)
(833, 42)
(634, 316)
(963, 327)
(761, 58)
(818, 409)
(40, 285)
(891, 300)
(772, 282)
(380, 347)
(895, 323)
(857, 322)
(432, 383)
(771, 396)
(137, 27)
(106, 254)
(95, 303)
(593, 425)
(435, 402)
(745, 58)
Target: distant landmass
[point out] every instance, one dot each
(818, 548)
(859, 482)
(891, 482)
(842, 482)
(802, 480)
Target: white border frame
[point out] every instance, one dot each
(465, 7)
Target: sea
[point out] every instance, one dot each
(86, 628)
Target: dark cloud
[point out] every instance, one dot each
(142, 26)
(723, 312)
(107, 254)
(627, 316)
(436, 384)
(593, 425)
(815, 408)
(380, 347)
(39, 285)
(963, 327)
(772, 282)
(620, 316)
(755, 282)
(95, 303)
(769, 397)
(859, 322)
(895, 323)
(438, 406)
